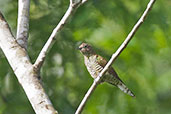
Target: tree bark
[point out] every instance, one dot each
(23, 22)
(24, 70)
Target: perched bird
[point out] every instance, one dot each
(95, 64)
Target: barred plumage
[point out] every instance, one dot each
(95, 64)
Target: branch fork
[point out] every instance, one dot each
(26, 72)
(16, 54)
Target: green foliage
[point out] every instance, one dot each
(144, 65)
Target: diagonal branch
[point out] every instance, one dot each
(24, 70)
(23, 22)
(114, 56)
(72, 7)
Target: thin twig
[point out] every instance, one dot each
(114, 56)
(23, 22)
(88, 94)
(72, 7)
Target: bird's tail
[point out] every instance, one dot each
(125, 89)
(120, 85)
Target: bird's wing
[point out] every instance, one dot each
(102, 62)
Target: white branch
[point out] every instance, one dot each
(114, 56)
(72, 7)
(24, 70)
(23, 22)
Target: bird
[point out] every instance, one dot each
(95, 64)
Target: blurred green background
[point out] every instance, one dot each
(145, 65)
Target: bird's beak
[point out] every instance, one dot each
(79, 48)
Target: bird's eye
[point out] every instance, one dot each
(85, 46)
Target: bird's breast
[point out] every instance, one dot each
(92, 66)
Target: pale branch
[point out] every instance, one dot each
(23, 22)
(24, 70)
(114, 56)
(72, 7)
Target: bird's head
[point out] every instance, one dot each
(86, 49)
